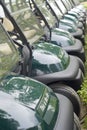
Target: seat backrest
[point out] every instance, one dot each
(7, 24)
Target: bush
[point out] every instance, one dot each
(83, 91)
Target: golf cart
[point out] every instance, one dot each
(71, 10)
(42, 9)
(27, 104)
(50, 63)
(79, 6)
(57, 35)
(60, 11)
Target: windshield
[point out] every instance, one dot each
(71, 2)
(55, 8)
(8, 53)
(25, 20)
(61, 6)
(46, 13)
(67, 4)
(76, 2)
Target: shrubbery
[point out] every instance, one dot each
(83, 91)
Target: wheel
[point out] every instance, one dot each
(77, 125)
(70, 94)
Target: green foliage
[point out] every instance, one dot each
(83, 91)
(83, 0)
(84, 3)
(85, 123)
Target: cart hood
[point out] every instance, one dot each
(48, 58)
(26, 104)
(63, 38)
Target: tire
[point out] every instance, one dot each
(77, 125)
(70, 94)
(65, 118)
